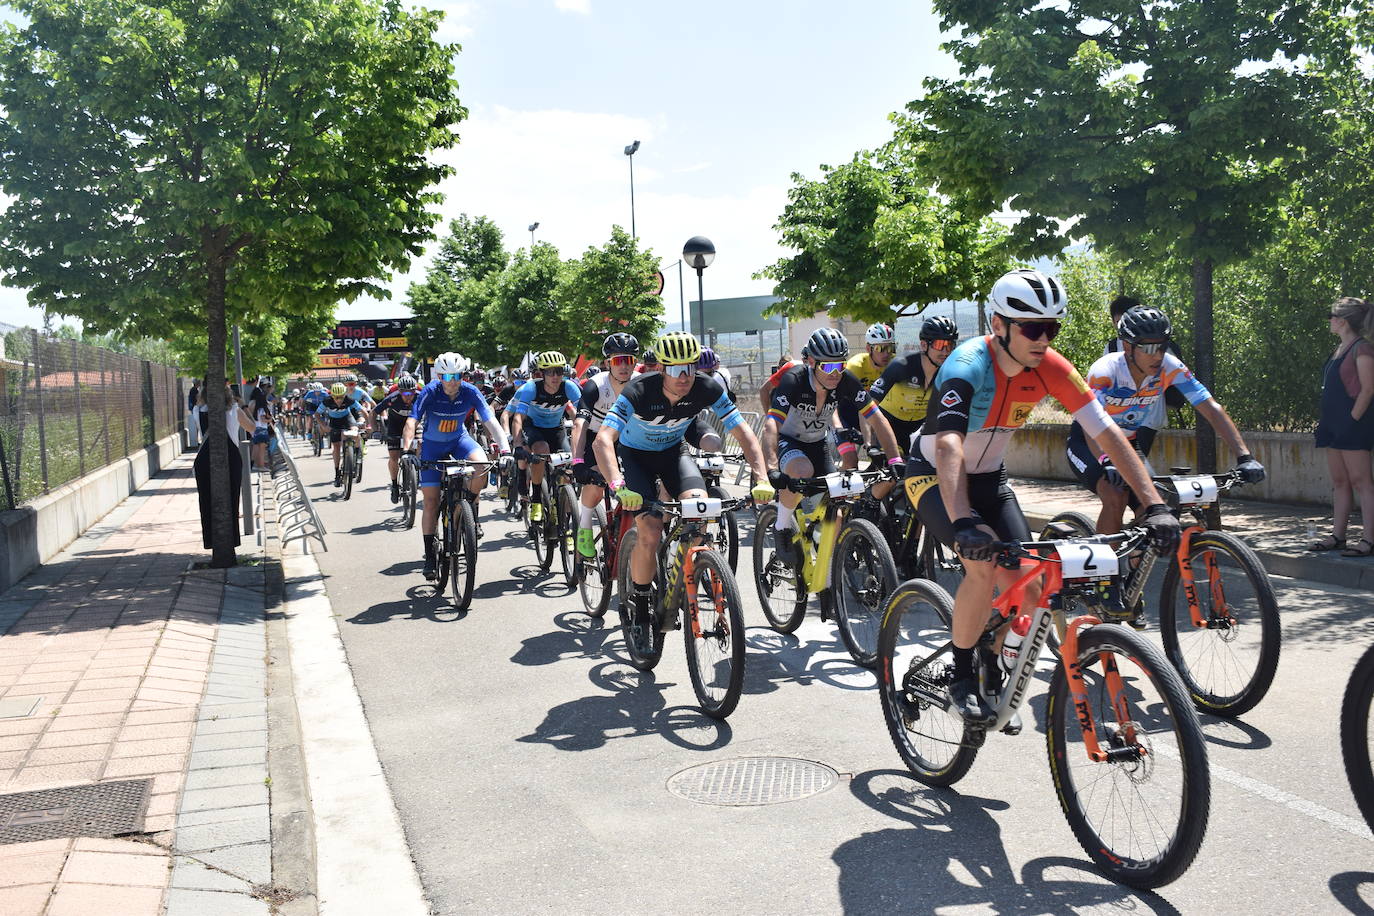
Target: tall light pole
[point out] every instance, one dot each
(630, 152)
(699, 253)
(533, 226)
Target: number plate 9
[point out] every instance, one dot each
(1088, 561)
(842, 485)
(1194, 491)
(704, 507)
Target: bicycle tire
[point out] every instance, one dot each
(597, 580)
(443, 547)
(933, 742)
(940, 564)
(1193, 651)
(721, 644)
(463, 560)
(567, 533)
(782, 592)
(409, 496)
(346, 468)
(727, 534)
(860, 596)
(512, 476)
(547, 528)
(1356, 707)
(1079, 524)
(358, 465)
(639, 659)
(1140, 866)
(319, 445)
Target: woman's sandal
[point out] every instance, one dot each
(1357, 552)
(1330, 542)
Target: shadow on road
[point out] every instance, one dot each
(780, 658)
(1345, 887)
(955, 857)
(577, 636)
(422, 602)
(1233, 733)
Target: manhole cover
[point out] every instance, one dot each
(753, 781)
(104, 809)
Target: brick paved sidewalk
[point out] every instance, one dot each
(114, 645)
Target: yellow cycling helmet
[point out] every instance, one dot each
(550, 359)
(677, 348)
(338, 389)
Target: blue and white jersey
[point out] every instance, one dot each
(340, 414)
(647, 421)
(313, 399)
(359, 397)
(544, 409)
(442, 417)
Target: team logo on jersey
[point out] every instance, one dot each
(951, 398)
(447, 426)
(782, 400)
(1020, 412)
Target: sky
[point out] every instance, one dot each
(727, 99)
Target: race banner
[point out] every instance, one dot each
(384, 335)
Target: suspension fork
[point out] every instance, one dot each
(1078, 694)
(1185, 569)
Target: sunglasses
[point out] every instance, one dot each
(622, 359)
(885, 348)
(1034, 330)
(553, 372)
(1334, 315)
(450, 376)
(681, 370)
(1151, 348)
(830, 367)
(941, 346)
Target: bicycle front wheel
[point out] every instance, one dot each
(566, 527)
(346, 467)
(464, 558)
(1356, 711)
(1141, 813)
(863, 576)
(782, 591)
(547, 530)
(444, 546)
(643, 652)
(914, 673)
(715, 640)
(727, 533)
(595, 582)
(1229, 663)
(408, 495)
(1068, 524)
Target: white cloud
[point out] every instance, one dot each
(692, 168)
(574, 6)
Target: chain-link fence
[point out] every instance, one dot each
(68, 408)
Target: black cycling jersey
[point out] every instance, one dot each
(793, 405)
(646, 420)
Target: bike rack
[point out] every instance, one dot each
(296, 517)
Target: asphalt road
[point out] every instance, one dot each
(530, 764)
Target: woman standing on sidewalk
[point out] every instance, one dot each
(235, 418)
(1346, 427)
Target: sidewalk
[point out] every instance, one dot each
(118, 661)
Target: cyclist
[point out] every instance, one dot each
(709, 366)
(956, 478)
(506, 394)
(599, 394)
(650, 363)
(800, 417)
(544, 401)
(358, 396)
(1131, 383)
(648, 420)
(903, 390)
(395, 410)
(880, 345)
(340, 414)
(311, 400)
(438, 413)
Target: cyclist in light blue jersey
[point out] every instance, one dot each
(537, 414)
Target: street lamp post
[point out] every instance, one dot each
(630, 153)
(533, 226)
(699, 253)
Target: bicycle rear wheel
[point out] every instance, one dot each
(443, 545)
(408, 495)
(1142, 813)
(782, 593)
(346, 468)
(358, 465)
(715, 658)
(644, 653)
(1356, 711)
(1068, 524)
(596, 581)
(727, 532)
(1229, 664)
(914, 673)
(862, 577)
(463, 561)
(566, 526)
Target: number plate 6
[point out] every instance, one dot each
(703, 507)
(1194, 491)
(1088, 561)
(842, 484)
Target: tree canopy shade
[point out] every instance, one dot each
(174, 163)
(870, 235)
(1154, 128)
(608, 289)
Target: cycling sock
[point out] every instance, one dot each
(430, 541)
(963, 663)
(536, 491)
(785, 519)
(584, 516)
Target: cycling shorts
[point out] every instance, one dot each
(556, 437)
(462, 447)
(643, 471)
(991, 497)
(818, 453)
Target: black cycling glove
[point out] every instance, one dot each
(1163, 528)
(971, 542)
(1251, 471)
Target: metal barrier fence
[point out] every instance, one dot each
(67, 408)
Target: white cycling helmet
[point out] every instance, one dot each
(1029, 294)
(878, 334)
(447, 363)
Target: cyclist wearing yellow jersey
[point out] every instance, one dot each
(903, 390)
(867, 367)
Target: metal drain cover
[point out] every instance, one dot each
(104, 809)
(753, 781)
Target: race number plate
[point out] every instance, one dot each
(711, 462)
(1087, 561)
(1194, 491)
(702, 507)
(843, 484)
(454, 470)
(558, 459)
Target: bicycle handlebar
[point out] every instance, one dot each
(808, 486)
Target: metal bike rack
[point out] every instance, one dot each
(296, 517)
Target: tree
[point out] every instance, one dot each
(272, 345)
(1157, 129)
(472, 249)
(870, 235)
(176, 166)
(521, 313)
(610, 289)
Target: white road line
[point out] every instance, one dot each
(364, 865)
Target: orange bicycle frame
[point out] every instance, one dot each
(1185, 570)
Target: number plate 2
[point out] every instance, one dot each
(1088, 561)
(842, 485)
(1193, 491)
(704, 507)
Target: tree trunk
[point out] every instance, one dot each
(1203, 366)
(224, 521)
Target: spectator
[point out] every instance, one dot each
(260, 409)
(192, 414)
(235, 418)
(1346, 427)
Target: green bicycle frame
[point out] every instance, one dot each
(816, 556)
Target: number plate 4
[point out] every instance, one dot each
(842, 484)
(1088, 561)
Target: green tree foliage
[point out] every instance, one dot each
(521, 313)
(870, 234)
(272, 345)
(609, 289)
(473, 248)
(177, 166)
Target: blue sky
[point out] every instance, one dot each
(727, 99)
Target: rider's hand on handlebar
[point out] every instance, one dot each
(581, 471)
(777, 479)
(628, 498)
(1163, 527)
(1250, 470)
(763, 492)
(522, 453)
(897, 468)
(972, 542)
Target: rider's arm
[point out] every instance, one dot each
(1221, 422)
(753, 453)
(498, 435)
(408, 434)
(886, 437)
(949, 471)
(603, 446)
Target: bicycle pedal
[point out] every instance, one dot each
(1013, 726)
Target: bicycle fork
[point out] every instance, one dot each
(1124, 747)
(1220, 615)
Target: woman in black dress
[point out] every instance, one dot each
(235, 418)
(1346, 428)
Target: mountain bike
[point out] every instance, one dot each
(408, 478)
(557, 511)
(597, 574)
(456, 537)
(317, 439)
(916, 554)
(1218, 615)
(350, 460)
(845, 562)
(695, 590)
(1357, 710)
(1126, 751)
(712, 467)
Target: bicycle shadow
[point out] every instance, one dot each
(404, 568)
(577, 636)
(524, 580)
(422, 602)
(504, 542)
(963, 860)
(1345, 887)
(1233, 733)
(390, 523)
(781, 658)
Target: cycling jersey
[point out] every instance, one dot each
(505, 396)
(723, 376)
(978, 399)
(340, 414)
(793, 405)
(646, 420)
(864, 369)
(359, 397)
(598, 397)
(1133, 407)
(901, 390)
(544, 409)
(441, 417)
(313, 399)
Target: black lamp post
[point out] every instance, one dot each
(630, 152)
(699, 253)
(533, 226)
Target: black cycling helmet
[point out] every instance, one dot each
(1144, 323)
(620, 343)
(650, 358)
(827, 344)
(405, 383)
(939, 327)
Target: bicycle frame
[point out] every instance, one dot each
(683, 567)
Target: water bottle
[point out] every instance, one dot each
(1011, 646)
